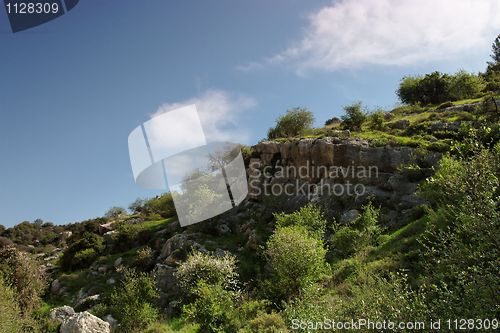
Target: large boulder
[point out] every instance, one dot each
(85, 322)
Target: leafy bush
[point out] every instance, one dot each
(213, 308)
(115, 212)
(354, 117)
(345, 241)
(11, 318)
(144, 258)
(293, 123)
(132, 302)
(309, 217)
(376, 120)
(265, 323)
(464, 85)
(82, 251)
(154, 208)
(362, 231)
(211, 269)
(459, 255)
(296, 260)
(25, 276)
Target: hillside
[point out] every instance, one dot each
(378, 221)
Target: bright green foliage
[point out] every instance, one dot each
(209, 268)
(309, 217)
(82, 251)
(465, 85)
(24, 275)
(293, 123)
(154, 208)
(460, 246)
(380, 299)
(376, 120)
(354, 117)
(132, 302)
(296, 259)
(213, 308)
(436, 87)
(266, 323)
(362, 231)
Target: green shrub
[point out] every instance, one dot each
(376, 120)
(296, 260)
(82, 251)
(354, 117)
(26, 277)
(144, 258)
(361, 232)
(209, 268)
(345, 242)
(11, 318)
(293, 123)
(265, 323)
(214, 308)
(132, 302)
(464, 85)
(309, 217)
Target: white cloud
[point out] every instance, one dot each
(353, 33)
(218, 111)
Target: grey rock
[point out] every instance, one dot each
(118, 262)
(55, 287)
(61, 313)
(222, 229)
(349, 216)
(85, 322)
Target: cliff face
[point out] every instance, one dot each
(341, 174)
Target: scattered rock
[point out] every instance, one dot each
(252, 242)
(349, 216)
(85, 322)
(111, 281)
(55, 287)
(400, 124)
(111, 321)
(222, 229)
(61, 313)
(118, 262)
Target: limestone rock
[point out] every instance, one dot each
(61, 313)
(85, 322)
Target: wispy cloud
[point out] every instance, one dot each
(354, 33)
(219, 111)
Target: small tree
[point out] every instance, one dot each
(354, 117)
(309, 217)
(115, 212)
(465, 85)
(211, 269)
(296, 259)
(408, 89)
(293, 123)
(132, 302)
(376, 120)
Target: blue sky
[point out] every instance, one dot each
(71, 90)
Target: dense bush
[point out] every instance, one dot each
(36, 234)
(293, 123)
(362, 231)
(82, 251)
(23, 273)
(309, 217)
(214, 308)
(354, 117)
(133, 301)
(209, 268)
(162, 206)
(460, 252)
(115, 212)
(436, 87)
(376, 120)
(296, 260)
(11, 318)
